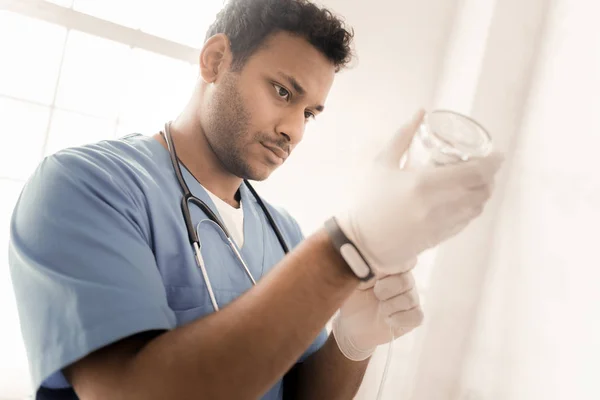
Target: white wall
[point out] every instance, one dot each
(488, 73)
(549, 242)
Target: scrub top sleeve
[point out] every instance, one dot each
(299, 233)
(83, 272)
(294, 228)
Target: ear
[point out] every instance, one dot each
(215, 58)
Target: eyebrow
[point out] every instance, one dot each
(298, 88)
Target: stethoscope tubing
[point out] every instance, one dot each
(193, 236)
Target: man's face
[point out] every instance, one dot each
(254, 118)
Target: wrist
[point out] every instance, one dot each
(341, 273)
(348, 250)
(346, 344)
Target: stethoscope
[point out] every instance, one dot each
(188, 198)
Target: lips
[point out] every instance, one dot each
(278, 151)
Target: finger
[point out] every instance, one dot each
(403, 302)
(456, 217)
(456, 205)
(401, 141)
(394, 285)
(392, 269)
(367, 285)
(410, 264)
(371, 282)
(469, 174)
(458, 221)
(485, 191)
(468, 199)
(405, 320)
(479, 196)
(401, 268)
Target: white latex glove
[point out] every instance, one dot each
(364, 320)
(397, 213)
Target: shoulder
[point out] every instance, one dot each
(117, 161)
(96, 179)
(111, 167)
(285, 222)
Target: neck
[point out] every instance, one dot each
(194, 151)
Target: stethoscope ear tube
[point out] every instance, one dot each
(188, 197)
(175, 162)
(185, 209)
(262, 205)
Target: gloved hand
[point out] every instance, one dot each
(397, 213)
(364, 320)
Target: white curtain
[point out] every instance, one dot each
(513, 303)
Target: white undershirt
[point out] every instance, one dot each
(232, 217)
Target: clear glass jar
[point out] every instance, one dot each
(447, 137)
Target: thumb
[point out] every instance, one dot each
(395, 149)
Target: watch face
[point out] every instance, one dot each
(356, 261)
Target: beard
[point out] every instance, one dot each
(228, 130)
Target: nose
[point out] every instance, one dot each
(292, 126)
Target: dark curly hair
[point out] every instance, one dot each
(248, 23)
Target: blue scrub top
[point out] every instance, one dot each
(99, 251)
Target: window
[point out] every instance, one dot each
(75, 72)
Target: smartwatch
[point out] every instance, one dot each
(349, 252)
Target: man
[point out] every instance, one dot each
(111, 299)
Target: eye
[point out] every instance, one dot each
(282, 92)
(309, 115)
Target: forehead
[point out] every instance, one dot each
(294, 56)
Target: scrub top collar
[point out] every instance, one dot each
(253, 249)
